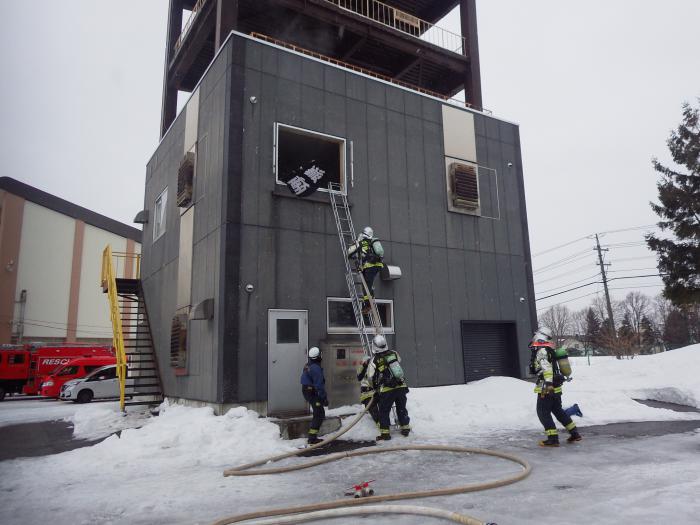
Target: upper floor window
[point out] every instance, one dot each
(340, 317)
(307, 160)
(159, 214)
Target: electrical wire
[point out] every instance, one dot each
(569, 284)
(566, 274)
(598, 282)
(563, 262)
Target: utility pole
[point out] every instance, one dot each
(605, 283)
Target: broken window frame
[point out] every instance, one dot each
(340, 141)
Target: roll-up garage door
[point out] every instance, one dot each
(489, 349)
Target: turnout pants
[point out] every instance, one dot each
(369, 274)
(319, 414)
(548, 404)
(386, 400)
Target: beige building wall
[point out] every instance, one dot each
(44, 270)
(93, 308)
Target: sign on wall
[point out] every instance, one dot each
(306, 178)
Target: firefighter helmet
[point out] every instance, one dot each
(543, 334)
(367, 233)
(379, 344)
(314, 352)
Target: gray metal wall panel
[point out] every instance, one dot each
(377, 176)
(459, 304)
(445, 363)
(398, 186)
(434, 170)
(404, 298)
(415, 171)
(420, 279)
(489, 289)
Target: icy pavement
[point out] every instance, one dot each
(637, 464)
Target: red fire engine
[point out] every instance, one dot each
(22, 367)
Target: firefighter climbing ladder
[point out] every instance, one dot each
(357, 287)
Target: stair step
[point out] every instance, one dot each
(135, 403)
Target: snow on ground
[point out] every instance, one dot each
(170, 469)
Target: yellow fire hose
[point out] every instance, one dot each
(347, 507)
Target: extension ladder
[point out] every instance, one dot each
(357, 287)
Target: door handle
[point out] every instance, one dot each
(274, 360)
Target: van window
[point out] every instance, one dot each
(16, 359)
(69, 371)
(90, 368)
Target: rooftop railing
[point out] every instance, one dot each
(378, 12)
(188, 24)
(404, 22)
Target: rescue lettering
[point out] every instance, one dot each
(54, 361)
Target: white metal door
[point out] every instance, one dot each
(287, 336)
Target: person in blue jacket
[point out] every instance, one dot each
(313, 388)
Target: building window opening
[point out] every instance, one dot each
(341, 318)
(159, 213)
(306, 161)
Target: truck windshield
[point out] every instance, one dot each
(68, 371)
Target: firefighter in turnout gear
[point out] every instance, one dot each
(389, 378)
(313, 388)
(365, 375)
(543, 363)
(369, 253)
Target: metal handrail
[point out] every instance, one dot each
(404, 22)
(108, 282)
(188, 25)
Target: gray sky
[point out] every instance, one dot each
(596, 87)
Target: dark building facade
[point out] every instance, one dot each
(242, 276)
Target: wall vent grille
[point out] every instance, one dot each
(185, 178)
(464, 186)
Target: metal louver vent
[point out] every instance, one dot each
(178, 341)
(465, 188)
(185, 177)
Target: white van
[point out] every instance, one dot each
(98, 384)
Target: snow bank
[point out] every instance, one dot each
(186, 437)
(605, 392)
(672, 377)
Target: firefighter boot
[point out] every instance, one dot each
(551, 441)
(313, 439)
(384, 436)
(575, 436)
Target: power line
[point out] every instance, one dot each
(568, 300)
(560, 246)
(598, 282)
(569, 284)
(633, 228)
(563, 262)
(565, 274)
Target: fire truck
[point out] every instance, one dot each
(22, 367)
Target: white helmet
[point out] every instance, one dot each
(543, 334)
(314, 352)
(379, 344)
(367, 233)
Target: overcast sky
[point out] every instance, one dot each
(595, 86)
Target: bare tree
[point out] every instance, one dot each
(636, 305)
(558, 319)
(579, 321)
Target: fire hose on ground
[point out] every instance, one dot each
(351, 507)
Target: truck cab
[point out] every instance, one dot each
(73, 369)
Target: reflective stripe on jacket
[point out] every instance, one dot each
(544, 370)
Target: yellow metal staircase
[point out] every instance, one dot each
(137, 367)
